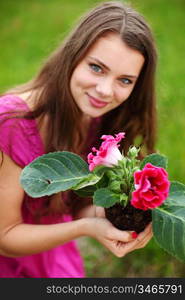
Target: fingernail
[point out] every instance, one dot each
(134, 235)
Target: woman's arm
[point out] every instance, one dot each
(19, 239)
(114, 240)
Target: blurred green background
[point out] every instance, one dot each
(30, 30)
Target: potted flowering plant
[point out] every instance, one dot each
(133, 192)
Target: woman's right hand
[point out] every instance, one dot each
(117, 241)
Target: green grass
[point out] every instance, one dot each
(30, 30)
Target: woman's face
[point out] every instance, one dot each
(106, 76)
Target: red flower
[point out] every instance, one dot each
(152, 187)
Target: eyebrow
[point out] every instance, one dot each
(107, 68)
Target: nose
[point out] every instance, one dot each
(104, 87)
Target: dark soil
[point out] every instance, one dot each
(128, 217)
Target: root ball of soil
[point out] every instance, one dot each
(128, 217)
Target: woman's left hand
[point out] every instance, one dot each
(139, 242)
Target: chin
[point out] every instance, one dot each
(94, 114)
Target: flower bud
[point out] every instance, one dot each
(111, 174)
(123, 199)
(133, 152)
(115, 186)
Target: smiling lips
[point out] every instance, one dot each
(96, 103)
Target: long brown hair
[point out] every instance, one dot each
(136, 116)
(51, 87)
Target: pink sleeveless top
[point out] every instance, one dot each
(20, 139)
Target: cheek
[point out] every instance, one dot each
(123, 94)
(81, 78)
(76, 84)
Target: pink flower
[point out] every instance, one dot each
(152, 187)
(108, 153)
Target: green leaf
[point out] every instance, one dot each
(169, 222)
(52, 173)
(115, 186)
(100, 170)
(90, 179)
(176, 194)
(155, 159)
(87, 191)
(105, 198)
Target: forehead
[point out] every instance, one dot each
(116, 55)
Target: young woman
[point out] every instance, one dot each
(100, 81)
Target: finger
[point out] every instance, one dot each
(114, 247)
(100, 212)
(144, 233)
(148, 228)
(144, 242)
(120, 249)
(140, 242)
(121, 235)
(126, 243)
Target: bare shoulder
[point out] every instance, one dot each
(26, 97)
(9, 171)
